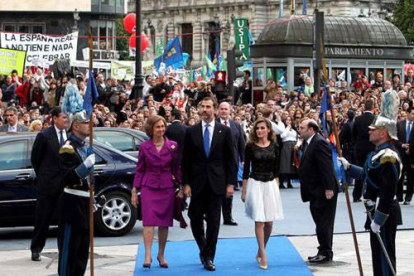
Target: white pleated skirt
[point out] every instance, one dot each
(263, 201)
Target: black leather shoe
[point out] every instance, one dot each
(230, 222)
(320, 259)
(209, 265)
(36, 257)
(406, 203)
(357, 200)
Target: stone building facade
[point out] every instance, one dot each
(205, 26)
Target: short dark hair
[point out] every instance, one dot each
(55, 113)
(215, 104)
(176, 114)
(369, 104)
(312, 124)
(247, 72)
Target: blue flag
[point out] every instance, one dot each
(325, 106)
(91, 95)
(173, 53)
(305, 7)
(339, 170)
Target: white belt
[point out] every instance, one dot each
(76, 192)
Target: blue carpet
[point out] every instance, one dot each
(233, 257)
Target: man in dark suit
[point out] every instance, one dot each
(362, 144)
(405, 138)
(318, 186)
(176, 131)
(208, 176)
(45, 160)
(238, 147)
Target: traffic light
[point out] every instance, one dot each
(233, 62)
(220, 81)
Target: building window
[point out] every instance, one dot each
(25, 27)
(277, 74)
(258, 77)
(300, 73)
(187, 38)
(104, 33)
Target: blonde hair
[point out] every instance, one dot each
(34, 124)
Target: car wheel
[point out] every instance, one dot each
(117, 216)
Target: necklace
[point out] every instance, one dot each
(159, 144)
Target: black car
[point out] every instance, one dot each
(114, 175)
(124, 139)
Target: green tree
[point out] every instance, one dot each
(122, 40)
(403, 18)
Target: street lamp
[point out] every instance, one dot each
(226, 31)
(138, 85)
(76, 18)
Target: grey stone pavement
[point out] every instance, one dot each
(116, 256)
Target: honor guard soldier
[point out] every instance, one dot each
(77, 162)
(380, 174)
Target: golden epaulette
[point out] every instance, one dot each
(386, 155)
(67, 148)
(389, 156)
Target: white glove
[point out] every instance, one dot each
(344, 162)
(375, 227)
(89, 161)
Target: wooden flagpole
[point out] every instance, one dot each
(345, 184)
(91, 175)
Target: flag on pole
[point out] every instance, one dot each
(251, 39)
(159, 49)
(280, 8)
(172, 54)
(91, 95)
(210, 65)
(325, 106)
(305, 7)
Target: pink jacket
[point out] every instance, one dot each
(157, 169)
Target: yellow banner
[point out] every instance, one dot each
(10, 60)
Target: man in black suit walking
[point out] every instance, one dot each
(404, 133)
(239, 144)
(176, 131)
(362, 144)
(208, 176)
(45, 160)
(318, 186)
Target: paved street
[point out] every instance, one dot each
(116, 256)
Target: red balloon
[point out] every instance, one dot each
(132, 41)
(144, 42)
(130, 22)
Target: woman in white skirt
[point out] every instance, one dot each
(260, 190)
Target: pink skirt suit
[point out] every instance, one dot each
(154, 177)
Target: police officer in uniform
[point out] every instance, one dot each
(77, 162)
(380, 174)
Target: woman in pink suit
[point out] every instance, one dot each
(158, 164)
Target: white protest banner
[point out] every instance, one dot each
(85, 64)
(41, 47)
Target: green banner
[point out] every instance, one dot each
(10, 60)
(241, 33)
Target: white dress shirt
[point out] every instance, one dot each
(210, 129)
(12, 128)
(65, 137)
(223, 122)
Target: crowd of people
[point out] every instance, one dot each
(275, 132)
